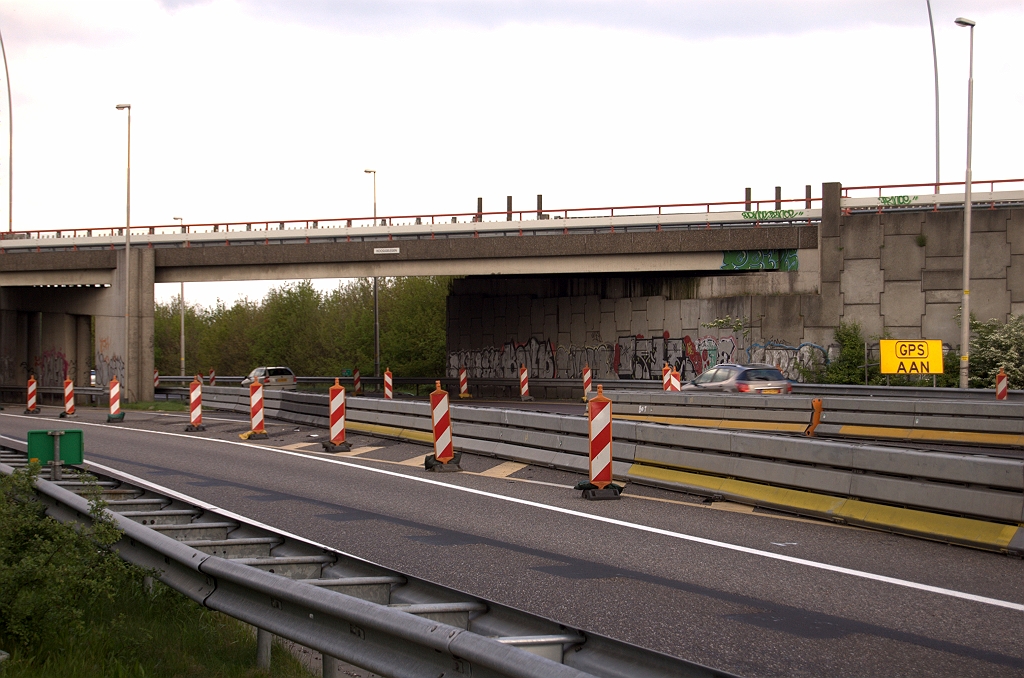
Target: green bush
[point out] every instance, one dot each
(996, 345)
(314, 333)
(49, 572)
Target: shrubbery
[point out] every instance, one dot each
(314, 333)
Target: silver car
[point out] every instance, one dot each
(272, 377)
(756, 378)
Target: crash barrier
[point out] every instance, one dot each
(380, 620)
(941, 495)
(570, 388)
(992, 423)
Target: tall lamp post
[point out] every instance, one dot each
(376, 307)
(935, 64)
(181, 304)
(10, 143)
(965, 313)
(127, 258)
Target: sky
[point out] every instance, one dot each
(270, 109)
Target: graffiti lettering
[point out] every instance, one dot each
(893, 200)
(789, 359)
(760, 260)
(107, 367)
(773, 214)
(51, 368)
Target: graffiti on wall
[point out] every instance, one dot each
(642, 358)
(542, 358)
(51, 368)
(7, 369)
(107, 367)
(789, 359)
(760, 260)
(630, 358)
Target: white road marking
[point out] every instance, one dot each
(587, 516)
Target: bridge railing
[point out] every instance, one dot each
(735, 209)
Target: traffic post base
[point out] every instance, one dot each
(65, 415)
(331, 448)
(113, 418)
(432, 464)
(592, 492)
(193, 429)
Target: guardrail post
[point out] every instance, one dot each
(330, 667)
(778, 198)
(264, 639)
(747, 198)
(815, 417)
(508, 208)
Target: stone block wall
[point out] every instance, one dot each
(897, 273)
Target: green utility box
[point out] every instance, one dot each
(41, 445)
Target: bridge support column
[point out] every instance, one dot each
(110, 345)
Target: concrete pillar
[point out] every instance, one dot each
(778, 198)
(83, 350)
(34, 346)
(110, 344)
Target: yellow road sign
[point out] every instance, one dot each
(911, 356)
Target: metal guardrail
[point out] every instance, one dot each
(512, 385)
(979, 486)
(346, 608)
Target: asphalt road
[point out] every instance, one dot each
(659, 569)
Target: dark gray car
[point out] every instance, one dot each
(759, 379)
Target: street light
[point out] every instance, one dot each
(181, 302)
(10, 144)
(965, 311)
(935, 64)
(376, 306)
(127, 257)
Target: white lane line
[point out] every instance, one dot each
(600, 519)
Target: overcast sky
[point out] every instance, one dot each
(270, 109)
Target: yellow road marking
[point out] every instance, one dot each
(855, 511)
(298, 446)
(414, 461)
(933, 435)
(503, 470)
(392, 431)
(716, 423)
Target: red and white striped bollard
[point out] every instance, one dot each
(115, 401)
(666, 377)
(30, 400)
(357, 385)
(463, 383)
(524, 384)
(673, 381)
(256, 412)
(440, 417)
(156, 379)
(213, 377)
(388, 385)
(337, 420)
(69, 399)
(599, 416)
(195, 404)
(588, 382)
(1002, 384)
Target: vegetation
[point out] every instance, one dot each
(160, 406)
(69, 606)
(996, 345)
(314, 333)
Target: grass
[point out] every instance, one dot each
(162, 634)
(160, 406)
